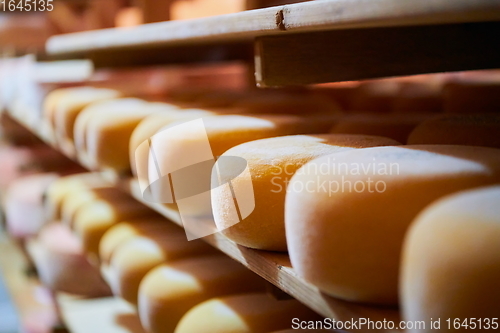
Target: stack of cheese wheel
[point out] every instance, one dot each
(347, 238)
(451, 263)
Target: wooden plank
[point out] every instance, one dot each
(343, 55)
(300, 17)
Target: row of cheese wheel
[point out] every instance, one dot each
(177, 285)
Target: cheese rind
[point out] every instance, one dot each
(270, 165)
(245, 313)
(135, 258)
(470, 130)
(170, 290)
(451, 259)
(126, 230)
(346, 236)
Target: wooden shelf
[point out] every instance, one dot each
(306, 35)
(273, 266)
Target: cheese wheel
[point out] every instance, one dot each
(63, 108)
(23, 204)
(127, 230)
(419, 97)
(345, 236)
(139, 146)
(270, 163)
(472, 97)
(451, 261)
(394, 126)
(77, 197)
(92, 219)
(58, 190)
(375, 96)
(62, 265)
(470, 130)
(135, 258)
(170, 290)
(247, 313)
(108, 132)
(190, 147)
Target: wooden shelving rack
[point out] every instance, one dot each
(311, 42)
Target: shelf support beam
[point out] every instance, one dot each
(354, 54)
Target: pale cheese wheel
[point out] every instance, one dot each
(127, 230)
(394, 126)
(23, 204)
(62, 265)
(132, 260)
(171, 290)
(467, 129)
(139, 146)
(107, 133)
(196, 143)
(260, 189)
(92, 219)
(246, 313)
(346, 236)
(451, 263)
(58, 190)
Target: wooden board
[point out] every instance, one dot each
(354, 54)
(300, 17)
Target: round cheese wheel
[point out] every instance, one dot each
(139, 145)
(247, 313)
(58, 190)
(451, 262)
(191, 147)
(127, 230)
(346, 214)
(470, 130)
(62, 265)
(23, 204)
(135, 258)
(394, 126)
(170, 290)
(93, 219)
(260, 188)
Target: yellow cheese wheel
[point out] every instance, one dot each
(270, 163)
(135, 258)
(419, 97)
(170, 290)
(394, 126)
(108, 131)
(92, 219)
(375, 96)
(77, 197)
(195, 144)
(451, 263)
(139, 146)
(127, 230)
(61, 106)
(247, 313)
(466, 129)
(58, 190)
(346, 217)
